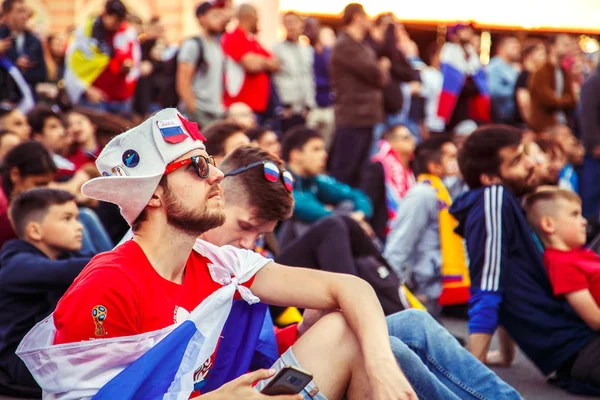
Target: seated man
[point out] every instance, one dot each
(389, 177)
(224, 137)
(170, 194)
(35, 271)
(416, 338)
(316, 195)
(509, 285)
(422, 247)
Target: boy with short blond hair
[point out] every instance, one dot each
(574, 271)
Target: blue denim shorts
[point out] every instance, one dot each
(310, 392)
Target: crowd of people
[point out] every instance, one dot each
(133, 172)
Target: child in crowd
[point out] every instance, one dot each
(83, 133)
(422, 247)
(266, 139)
(35, 271)
(574, 271)
(557, 159)
(26, 166)
(389, 177)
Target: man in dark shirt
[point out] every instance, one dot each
(19, 45)
(357, 81)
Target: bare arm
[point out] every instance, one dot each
(255, 63)
(586, 307)
(184, 85)
(479, 345)
(524, 103)
(280, 285)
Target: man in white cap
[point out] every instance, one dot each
(168, 190)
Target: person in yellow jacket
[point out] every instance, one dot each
(422, 247)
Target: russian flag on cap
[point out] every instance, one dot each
(172, 131)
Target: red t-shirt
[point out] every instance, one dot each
(81, 157)
(119, 293)
(574, 270)
(255, 89)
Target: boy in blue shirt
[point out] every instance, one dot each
(35, 271)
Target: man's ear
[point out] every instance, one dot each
(488, 180)
(34, 231)
(157, 198)
(547, 225)
(15, 175)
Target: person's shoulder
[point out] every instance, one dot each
(117, 266)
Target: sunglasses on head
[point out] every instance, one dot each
(201, 165)
(271, 172)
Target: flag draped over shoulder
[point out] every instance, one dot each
(89, 55)
(455, 67)
(154, 365)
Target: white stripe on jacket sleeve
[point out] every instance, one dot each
(490, 277)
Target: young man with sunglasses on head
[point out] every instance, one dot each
(168, 189)
(256, 197)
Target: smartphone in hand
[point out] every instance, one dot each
(289, 380)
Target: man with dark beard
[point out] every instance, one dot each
(168, 190)
(509, 285)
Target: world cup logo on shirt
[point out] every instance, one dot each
(99, 315)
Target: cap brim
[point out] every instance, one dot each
(130, 193)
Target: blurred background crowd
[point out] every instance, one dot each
(351, 104)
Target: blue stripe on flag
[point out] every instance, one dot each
(247, 343)
(151, 376)
(171, 131)
(454, 80)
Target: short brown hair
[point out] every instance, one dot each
(217, 133)
(350, 11)
(271, 200)
(543, 202)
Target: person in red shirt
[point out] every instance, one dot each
(248, 64)
(574, 271)
(83, 133)
(168, 190)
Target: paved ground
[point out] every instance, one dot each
(523, 376)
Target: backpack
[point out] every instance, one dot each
(167, 86)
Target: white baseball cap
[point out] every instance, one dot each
(133, 163)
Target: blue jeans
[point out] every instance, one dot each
(437, 366)
(95, 239)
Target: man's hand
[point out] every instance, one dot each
(495, 358)
(385, 64)
(389, 383)
(24, 63)
(415, 87)
(359, 217)
(241, 388)
(5, 44)
(146, 68)
(95, 95)
(272, 64)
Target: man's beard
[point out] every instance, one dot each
(521, 187)
(191, 220)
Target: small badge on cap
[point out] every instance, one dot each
(172, 131)
(131, 158)
(105, 173)
(118, 171)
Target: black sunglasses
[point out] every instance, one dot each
(201, 165)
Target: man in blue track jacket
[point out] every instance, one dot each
(509, 285)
